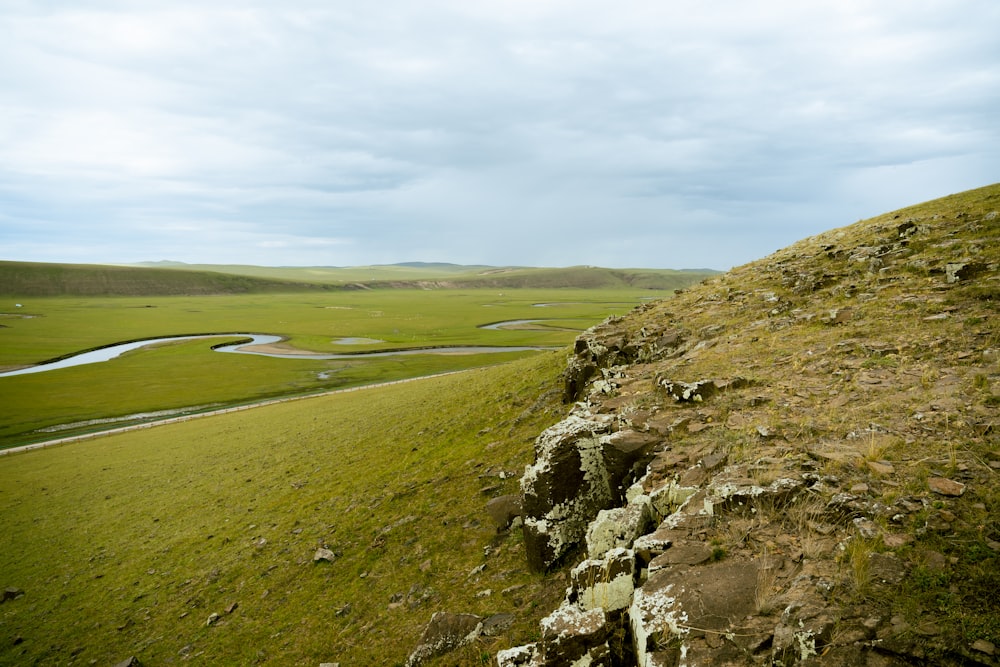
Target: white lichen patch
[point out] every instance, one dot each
(517, 656)
(618, 527)
(606, 584)
(570, 620)
(655, 618)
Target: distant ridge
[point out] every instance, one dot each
(40, 279)
(167, 277)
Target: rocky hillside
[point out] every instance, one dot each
(793, 463)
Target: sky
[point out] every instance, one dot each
(654, 133)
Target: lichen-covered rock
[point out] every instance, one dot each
(519, 656)
(605, 346)
(606, 583)
(625, 455)
(618, 527)
(696, 392)
(444, 633)
(801, 634)
(656, 620)
(571, 635)
(563, 490)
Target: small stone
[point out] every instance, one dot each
(133, 661)
(860, 488)
(945, 486)
(984, 646)
(324, 554)
(426, 566)
(212, 619)
(838, 316)
(881, 467)
(866, 528)
(232, 607)
(11, 593)
(896, 540)
(504, 509)
(497, 623)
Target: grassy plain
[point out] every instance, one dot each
(185, 374)
(127, 544)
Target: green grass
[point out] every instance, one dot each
(185, 374)
(126, 544)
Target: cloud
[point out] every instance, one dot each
(516, 132)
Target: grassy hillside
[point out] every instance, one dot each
(39, 279)
(126, 545)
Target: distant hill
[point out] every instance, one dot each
(40, 279)
(166, 278)
(440, 275)
(585, 277)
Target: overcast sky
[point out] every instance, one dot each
(656, 133)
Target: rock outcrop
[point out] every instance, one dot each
(580, 468)
(757, 472)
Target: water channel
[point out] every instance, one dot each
(246, 347)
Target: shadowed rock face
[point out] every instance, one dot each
(580, 468)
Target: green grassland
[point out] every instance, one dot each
(127, 544)
(185, 374)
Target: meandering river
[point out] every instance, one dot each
(247, 347)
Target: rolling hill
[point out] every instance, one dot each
(165, 278)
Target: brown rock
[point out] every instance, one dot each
(945, 486)
(896, 540)
(984, 646)
(504, 509)
(881, 467)
(683, 553)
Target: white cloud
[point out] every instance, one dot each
(509, 132)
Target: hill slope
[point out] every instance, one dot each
(24, 279)
(823, 478)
